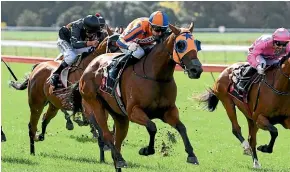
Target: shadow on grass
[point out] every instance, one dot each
(83, 138)
(16, 160)
(95, 161)
(89, 160)
(263, 169)
(138, 165)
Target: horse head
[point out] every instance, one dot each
(104, 46)
(285, 66)
(184, 50)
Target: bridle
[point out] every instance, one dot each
(144, 76)
(281, 93)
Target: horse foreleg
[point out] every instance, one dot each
(172, 118)
(69, 123)
(51, 113)
(139, 116)
(253, 129)
(263, 123)
(3, 137)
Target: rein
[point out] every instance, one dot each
(144, 76)
(281, 93)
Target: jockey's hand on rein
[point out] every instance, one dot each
(92, 43)
(260, 69)
(133, 46)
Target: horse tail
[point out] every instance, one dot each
(210, 99)
(76, 98)
(21, 86)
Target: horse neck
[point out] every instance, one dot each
(283, 82)
(158, 63)
(85, 62)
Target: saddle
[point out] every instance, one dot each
(118, 63)
(109, 83)
(242, 79)
(63, 78)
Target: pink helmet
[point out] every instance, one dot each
(281, 34)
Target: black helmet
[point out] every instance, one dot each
(92, 24)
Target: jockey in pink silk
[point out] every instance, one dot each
(268, 49)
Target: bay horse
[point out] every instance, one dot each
(41, 93)
(268, 104)
(148, 91)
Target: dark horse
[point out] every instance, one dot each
(148, 91)
(268, 104)
(41, 93)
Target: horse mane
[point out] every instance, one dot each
(284, 58)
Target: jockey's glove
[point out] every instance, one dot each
(133, 46)
(261, 69)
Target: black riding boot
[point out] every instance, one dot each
(245, 80)
(113, 73)
(55, 75)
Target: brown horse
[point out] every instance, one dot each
(148, 91)
(41, 93)
(268, 104)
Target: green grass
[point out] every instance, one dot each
(29, 35)
(205, 57)
(30, 51)
(64, 151)
(208, 38)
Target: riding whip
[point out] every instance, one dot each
(9, 69)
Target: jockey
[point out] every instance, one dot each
(267, 50)
(141, 32)
(77, 37)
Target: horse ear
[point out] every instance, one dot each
(191, 27)
(109, 31)
(174, 29)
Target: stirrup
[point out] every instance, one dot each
(53, 80)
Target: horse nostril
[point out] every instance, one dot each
(193, 70)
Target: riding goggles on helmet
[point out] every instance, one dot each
(158, 28)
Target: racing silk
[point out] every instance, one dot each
(75, 34)
(137, 31)
(264, 46)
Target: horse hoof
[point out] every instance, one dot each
(248, 151)
(79, 122)
(265, 149)
(3, 138)
(146, 151)
(40, 137)
(106, 148)
(121, 164)
(193, 160)
(69, 126)
(257, 165)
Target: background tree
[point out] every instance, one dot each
(28, 18)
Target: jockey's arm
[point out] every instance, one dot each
(288, 48)
(131, 35)
(75, 36)
(254, 54)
